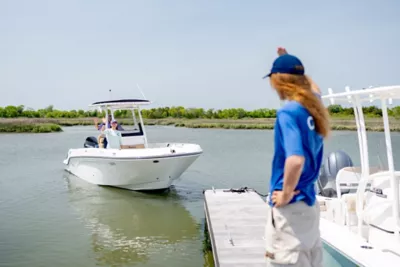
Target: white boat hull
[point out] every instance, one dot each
(134, 169)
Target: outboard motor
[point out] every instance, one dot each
(91, 142)
(333, 163)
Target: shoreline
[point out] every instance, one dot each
(45, 125)
(15, 127)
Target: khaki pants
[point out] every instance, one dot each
(292, 236)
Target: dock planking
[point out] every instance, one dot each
(236, 225)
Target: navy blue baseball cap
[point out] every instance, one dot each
(288, 64)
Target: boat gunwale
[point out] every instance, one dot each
(130, 158)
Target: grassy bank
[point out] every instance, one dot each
(13, 127)
(53, 125)
(344, 124)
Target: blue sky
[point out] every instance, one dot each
(209, 54)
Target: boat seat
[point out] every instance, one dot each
(377, 205)
(348, 179)
(349, 204)
(133, 142)
(331, 209)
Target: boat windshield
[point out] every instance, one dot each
(129, 121)
(129, 125)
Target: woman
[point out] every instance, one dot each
(114, 137)
(292, 230)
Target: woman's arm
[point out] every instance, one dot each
(96, 123)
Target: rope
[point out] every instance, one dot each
(245, 190)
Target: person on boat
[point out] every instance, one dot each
(101, 139)
(99, 126)
(113, 135)
(302, 124)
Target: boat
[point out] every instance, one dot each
(139, 165)
(359, 205)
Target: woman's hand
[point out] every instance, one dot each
(281, 51)
(281, 198)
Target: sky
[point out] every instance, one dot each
(191, 53)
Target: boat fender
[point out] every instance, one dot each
(167, 145)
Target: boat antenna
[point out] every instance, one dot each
(109, 90)
(144, 97)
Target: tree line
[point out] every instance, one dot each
(180, 112)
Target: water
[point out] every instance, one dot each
(51, 218)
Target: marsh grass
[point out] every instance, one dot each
(29, 127)
(49, 124)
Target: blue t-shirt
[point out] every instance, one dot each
(295, 135)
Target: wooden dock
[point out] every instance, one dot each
(236, 225)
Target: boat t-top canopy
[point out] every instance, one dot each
(385, 94)
(120, 103)
(365, 95)
(126, 104)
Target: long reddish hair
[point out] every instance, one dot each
(300, 88)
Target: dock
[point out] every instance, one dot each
(236, 226)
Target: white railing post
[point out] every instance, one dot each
(332, 100)
(364, 164)
(143, 128)
(107, 123)
(134, 117)
(393, 180)
(357, 109)
(359, 134)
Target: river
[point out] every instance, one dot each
(51, 218)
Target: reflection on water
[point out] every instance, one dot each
(126, 226)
